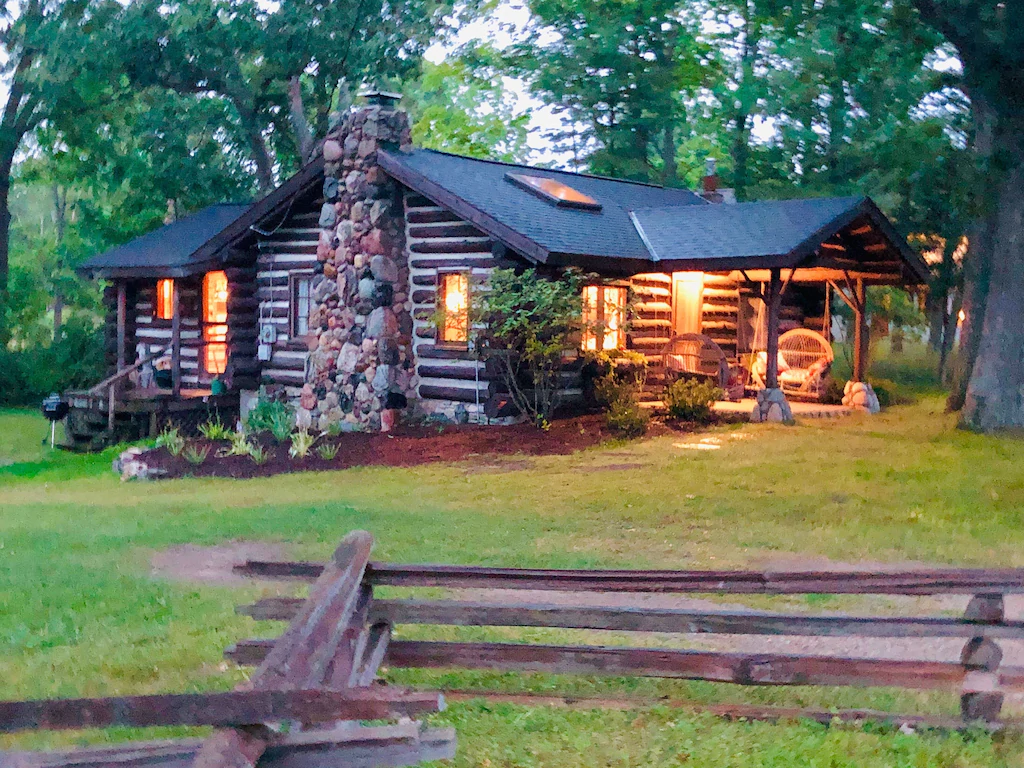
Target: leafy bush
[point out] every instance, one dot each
(214, 429)
(196, 454)
(327, 451)
(239, 445)
(259, 454)
(833, 394)
(302, 442)
(627, 418)
(889, 393)
(271, 415)
(171, 439)
(529, 324)
(621, 399)
(73, 361)
(691, 399)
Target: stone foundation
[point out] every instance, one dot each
(771, 406)
(361, 360)
(860, 395)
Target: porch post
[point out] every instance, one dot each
(774, 301)
(860, 334)
(176, 340)
(122, 314)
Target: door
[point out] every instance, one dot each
(687, 298)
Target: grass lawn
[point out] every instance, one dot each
(80, 613)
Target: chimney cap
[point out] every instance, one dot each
(381, 98)
(711, 166)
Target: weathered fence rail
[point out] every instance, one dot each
(978, 676)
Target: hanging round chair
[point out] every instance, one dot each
(805, 358)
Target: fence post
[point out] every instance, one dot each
(981, 698)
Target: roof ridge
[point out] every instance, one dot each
(553, 170)
(851, 199)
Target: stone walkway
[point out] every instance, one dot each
(801, 410)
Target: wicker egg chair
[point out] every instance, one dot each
(694, 355)
(808, 359)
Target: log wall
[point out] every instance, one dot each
(289, 249)
(157, 333)
(448, 377)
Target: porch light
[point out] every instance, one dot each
(164, 299)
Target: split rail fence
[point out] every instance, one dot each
(978, 677)
(312, 685)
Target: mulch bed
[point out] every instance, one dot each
(406, 446)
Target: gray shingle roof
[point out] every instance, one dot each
(169, 251)
(607, 233)
(746, 230)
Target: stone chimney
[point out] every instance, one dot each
(360, 367)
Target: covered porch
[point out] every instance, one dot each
(745, 297)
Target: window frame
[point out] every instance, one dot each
(600, 329)
(206, 335)
(158, 300)
(295, 279)
(439, 305)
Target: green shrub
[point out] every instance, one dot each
(239, 445)
(271, 415)
(172, 440)
(302, 442)
(623, 414)
(691, 399)
(259, 454)
(214, 429)
(833, 394)
(196, 454)
(73, 361)
(327, 451)
(889, 392)
(626, 418)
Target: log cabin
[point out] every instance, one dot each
(347, 289)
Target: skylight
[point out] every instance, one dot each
(554, 191)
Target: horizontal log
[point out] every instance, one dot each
(435, 216)
(455, 394)
(362, 747)
(294, 245)
(713, 666)
(930, 582)
(465, 262)
(217, 709)
(454, 229)
(454, 372)
(432, 352)
(464, 245)
(664, 620)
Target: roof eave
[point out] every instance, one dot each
(396, 169)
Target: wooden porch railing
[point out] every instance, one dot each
(109, 386)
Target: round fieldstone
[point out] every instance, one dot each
(328, 215)
(382, 324)
(384, 269)
(332, 151)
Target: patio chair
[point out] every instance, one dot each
(808, 359)
(694, 355)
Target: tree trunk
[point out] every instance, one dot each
(977, 271)
(297, 117)
(995, 393)
(669, 174)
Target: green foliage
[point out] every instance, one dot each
(238, 445)
(302, 442)
(691, 399)
(73, 361)
(833, 394)
(327, 451)
(529, 325)
(171, 439)
(461, 108)
(259, 454)
(619, 396)
(272, 415)
(215, 429)
(196, 454)
(889, 392)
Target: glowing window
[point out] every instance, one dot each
(215, 318)
(453, 307)
(554, 191)
(164, 299)
(604, 317)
